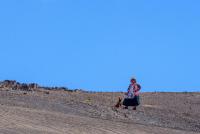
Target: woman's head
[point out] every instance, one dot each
(133, 80)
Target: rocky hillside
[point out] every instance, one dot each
(30, 108)
(14, 85)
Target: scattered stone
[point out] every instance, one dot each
(14, 85)
(47, 92)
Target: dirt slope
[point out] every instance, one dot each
(63, 112)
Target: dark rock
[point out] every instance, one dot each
(12, 84)
(47, 92)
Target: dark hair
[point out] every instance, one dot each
(133, 79)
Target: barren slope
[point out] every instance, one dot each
(62, 112)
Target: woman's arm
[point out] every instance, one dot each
(128, 90)
(136, 87)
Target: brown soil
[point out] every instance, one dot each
(63, 112)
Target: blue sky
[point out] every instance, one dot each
(100, 45)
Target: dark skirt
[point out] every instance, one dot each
(132, 101)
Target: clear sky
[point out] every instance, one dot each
(100, 44)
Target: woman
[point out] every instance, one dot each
(132, 95)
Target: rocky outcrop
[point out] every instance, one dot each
(14, 85)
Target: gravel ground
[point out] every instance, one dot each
(63, 112)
